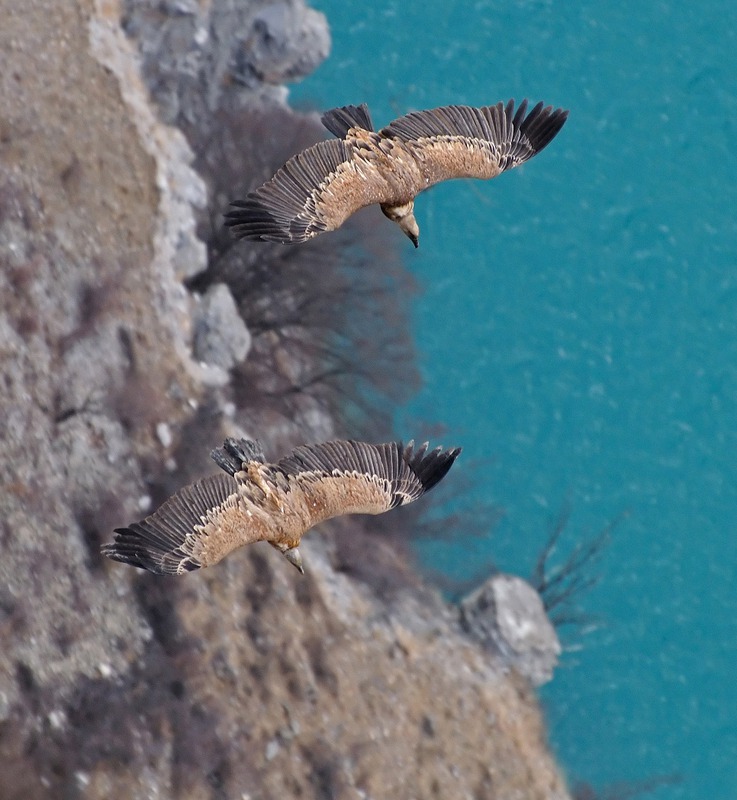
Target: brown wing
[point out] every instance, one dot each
(315, 191)
(466, 142)
(196, 527)
(347, 477)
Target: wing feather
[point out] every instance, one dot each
(195, 527)
(315, 191)
(466, 142)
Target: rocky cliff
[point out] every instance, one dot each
(128, 348)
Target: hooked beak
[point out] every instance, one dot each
(293, 557)
(414, 239)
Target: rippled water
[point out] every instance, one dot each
(578, 333)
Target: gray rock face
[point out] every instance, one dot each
(506, 615)
(199, 56)
(220, 338)
(282, 46)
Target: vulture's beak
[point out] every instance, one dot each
(293, 557)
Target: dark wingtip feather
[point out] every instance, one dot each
(541, 125)
(250, 219)
(235, 452)
(135, 546)
(430, 467)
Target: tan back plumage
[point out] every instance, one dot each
(318, 189)
(278, 503)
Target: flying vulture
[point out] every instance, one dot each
(278, 503)
(319, 188)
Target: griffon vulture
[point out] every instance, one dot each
(319, 188)
(253, 500)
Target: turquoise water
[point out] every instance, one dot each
(578, 334)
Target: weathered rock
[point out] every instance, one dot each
(221, 338)
(506, 615)
(198, 57)
(89, 318)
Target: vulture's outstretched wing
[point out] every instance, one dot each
(466, 142)
(205, 521)
(315, 191)
(347, 477)
(198, 525)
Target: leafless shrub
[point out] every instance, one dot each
(561, 586)
(329, 318)
(96, 302)
(136, 403)
(95, 523)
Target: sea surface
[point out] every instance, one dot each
(578, 337)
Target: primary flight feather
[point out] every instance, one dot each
(318, 189)
(253, 500)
